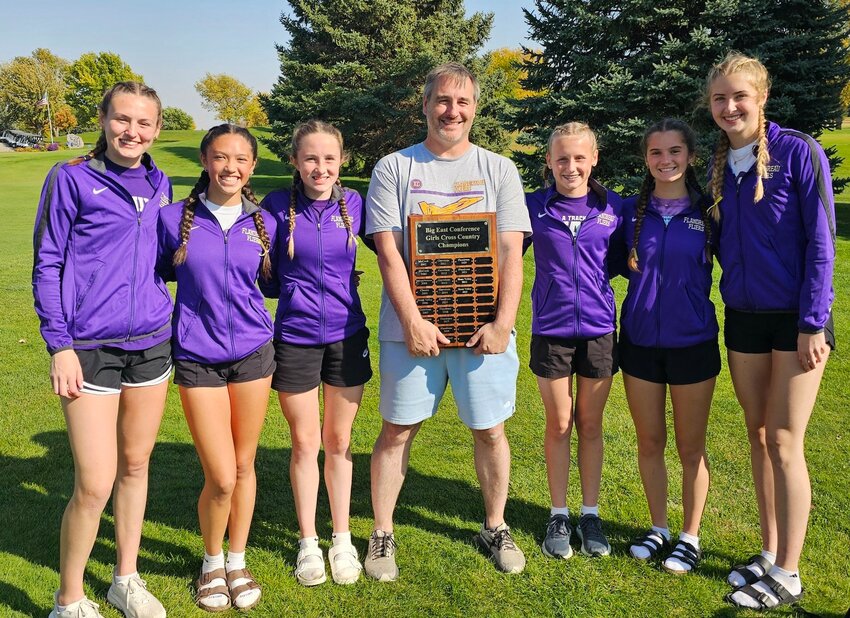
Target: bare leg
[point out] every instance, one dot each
(647, 402)
(493, 467)
(691, 407)
(139, 416)
(341, 406)
(302, 413)
(591, 396)
(91, 422)
(557, 396)
(388, 469)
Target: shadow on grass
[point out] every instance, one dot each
(18, 600)
(842, 220)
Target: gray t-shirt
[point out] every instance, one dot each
(415, 181)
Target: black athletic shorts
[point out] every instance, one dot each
(256, 366)
(759, 333)
(107, 369)
(689, 365)
(557, 357)
(301, 368)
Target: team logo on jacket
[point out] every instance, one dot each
(163, 200)
(429, 208)
(606, 219)
(252, 235)
(772, 169)
(340, 222)
(695, 224)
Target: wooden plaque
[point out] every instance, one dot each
(454, 271)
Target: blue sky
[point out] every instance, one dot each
(173, 43)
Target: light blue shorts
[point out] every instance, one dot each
(484, 386)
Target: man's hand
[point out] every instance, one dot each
(423, 338)
(490, 339)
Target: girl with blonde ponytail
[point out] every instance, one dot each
(216, 244)
(772, 194)
(320, 339)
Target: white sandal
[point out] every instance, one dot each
(310, 567)
(345, 565)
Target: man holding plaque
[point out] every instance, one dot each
(435, 298)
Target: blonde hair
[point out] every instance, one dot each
(301, 131)
(577, 129)
(756, 73)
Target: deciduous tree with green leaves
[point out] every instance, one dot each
(23, 83)
(621, 65)
(89, 76)
(175, 119)
(361, 65)
(226, 96)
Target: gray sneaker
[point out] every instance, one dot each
(593, 541)
(134, 600)
(81, 609)
(499, 546)
(557, 541)
(380, 557)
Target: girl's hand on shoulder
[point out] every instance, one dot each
(66, 375)
(812, 350)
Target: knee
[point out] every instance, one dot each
(396, 436)
(336, 443)
(559, 429)
(652, 445)
(782, 446)
(589, 429)
(244, 468)
(305, 445)
(221, 485)
(757, 436)
(93, 496)
(134, 466)
(692, 457)
(489, 438)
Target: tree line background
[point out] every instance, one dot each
(618, 65)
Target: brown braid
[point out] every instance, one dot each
(260, 226)
(128, 87)
(346, 218)
(188, 216)
(293, 201)
(762, 157)
(642, 202)
(721, 152)
(693, 184)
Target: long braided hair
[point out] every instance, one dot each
(691, 183)
(756, 73)
(127, 87)
(203, 183)
(301, 131)
(578, 129)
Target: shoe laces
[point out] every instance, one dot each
(559, 527)
(382, 546)
(591, 526)
(502, 539)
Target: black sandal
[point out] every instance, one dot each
(747, 574)
(762, 598)
(654, 542)
(687, 554)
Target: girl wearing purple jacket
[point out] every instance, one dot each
(105, 316)
(216, 244)
(320, 338)
(774, 202)
(575, 222)
(668, 335)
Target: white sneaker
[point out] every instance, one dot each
(310, 567)
(133, 599)
(81, 609)
(345, 565)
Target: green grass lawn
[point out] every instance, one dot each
(440, 506)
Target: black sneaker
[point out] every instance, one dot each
(593, 541)
(557, 541)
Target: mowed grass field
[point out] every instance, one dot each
(440, 507)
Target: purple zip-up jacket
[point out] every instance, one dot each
(316, 291)
(667, 304)
(778, 254)
(219, 314)
(572, 297)
(93, 278)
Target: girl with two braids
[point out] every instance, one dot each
(773, 199)
(668, 335)
(216, 244)
(320, 339)
(576, 222)
(106, 319)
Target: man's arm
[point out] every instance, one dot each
(421, 336)
(493, 338)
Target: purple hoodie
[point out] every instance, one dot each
(667, 304)
(219, 315)
(94, 254)
(778, 254)
(318, 301)
(572, 297)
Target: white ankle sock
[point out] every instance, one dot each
(590, 510)
(673, 562)
(123, 579)
(210, 564)
(308, 541)
(235, 561)
(736, 580)
(789, 579)
(560, 510)
(341, 538)
(642, 553)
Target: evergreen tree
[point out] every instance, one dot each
(621, 65)
(361, 65)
